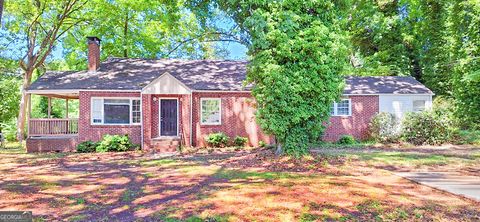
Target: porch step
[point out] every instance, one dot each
(165, 145)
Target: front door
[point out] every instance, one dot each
(168, 117)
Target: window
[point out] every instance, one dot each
(115, 111)
(210, 111)
(136, 116)
(418, 105)
(342, 108)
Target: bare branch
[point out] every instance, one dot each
(232, 38)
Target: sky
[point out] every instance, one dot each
(236, 51)
(16, 50)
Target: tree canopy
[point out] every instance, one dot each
(297, 49)
(297, 53)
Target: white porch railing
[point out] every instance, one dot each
(53, 127)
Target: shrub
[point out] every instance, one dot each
(346, 140)
(240, 141)
(87, 147)
(428, 127)
(9, 130)
(385, 127)
(217, 139)
(114, 143)
(262, 143)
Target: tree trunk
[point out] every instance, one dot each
(125, 36)
(279, 150)
(23, 105)
(1, 12)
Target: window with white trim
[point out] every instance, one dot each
(418, 105)
(136, 114)
(210, 111)
(115, 111)
(342, 108)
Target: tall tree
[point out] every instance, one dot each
(375, 28)
(1, 11)
(145, 29)
(297, 56)
(464, 23)
(41, 23)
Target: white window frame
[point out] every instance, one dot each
(201, 111)
(335, 110)
(130, 99)
(424, 105)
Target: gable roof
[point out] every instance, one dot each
(214, 75)
(134, 74)
(384, 85)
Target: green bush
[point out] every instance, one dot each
(428, 127)
(87, 147)
(468, 137)
(217, 139)
(114, 143)
(385, 127)
(262, 143)
(9, 130)
(346, 140)
(240, 141)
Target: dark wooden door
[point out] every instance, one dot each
(168, 117)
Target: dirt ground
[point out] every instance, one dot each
(252, 185)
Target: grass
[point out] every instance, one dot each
(246, 186)
(373, 156)
(470, 137)
(13, 148)
(244, 175)
(404, 159)
(358, 144)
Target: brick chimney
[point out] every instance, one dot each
(93, 53)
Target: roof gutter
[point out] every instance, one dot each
(52, 91)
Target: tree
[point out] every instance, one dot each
(297, 57)
(145, 29)
(42, 23)
(10, 84)
(1, 11)
(465, 48)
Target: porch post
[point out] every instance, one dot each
(67, 123)
(66, 108)
(49, 110)
(29, 114)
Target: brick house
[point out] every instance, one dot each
(164, 103)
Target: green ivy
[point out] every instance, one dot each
(297, 56)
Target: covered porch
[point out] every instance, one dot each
(56, 131)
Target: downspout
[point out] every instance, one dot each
(142, 121)
(191, 118)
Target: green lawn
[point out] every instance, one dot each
(13, 148)
(255, 185)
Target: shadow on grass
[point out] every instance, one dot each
(130, 188)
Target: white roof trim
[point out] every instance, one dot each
(56, 91)
(166, 84)
(384, 94)
(222, 91)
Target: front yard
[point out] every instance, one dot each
(332, 184)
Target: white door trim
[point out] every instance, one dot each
(160, 115)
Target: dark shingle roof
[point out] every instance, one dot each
(134, 74)
(384, 85)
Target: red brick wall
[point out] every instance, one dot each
(86, 131)
(151, 117)
(238, 118)
(363, 109)
(60, 144)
